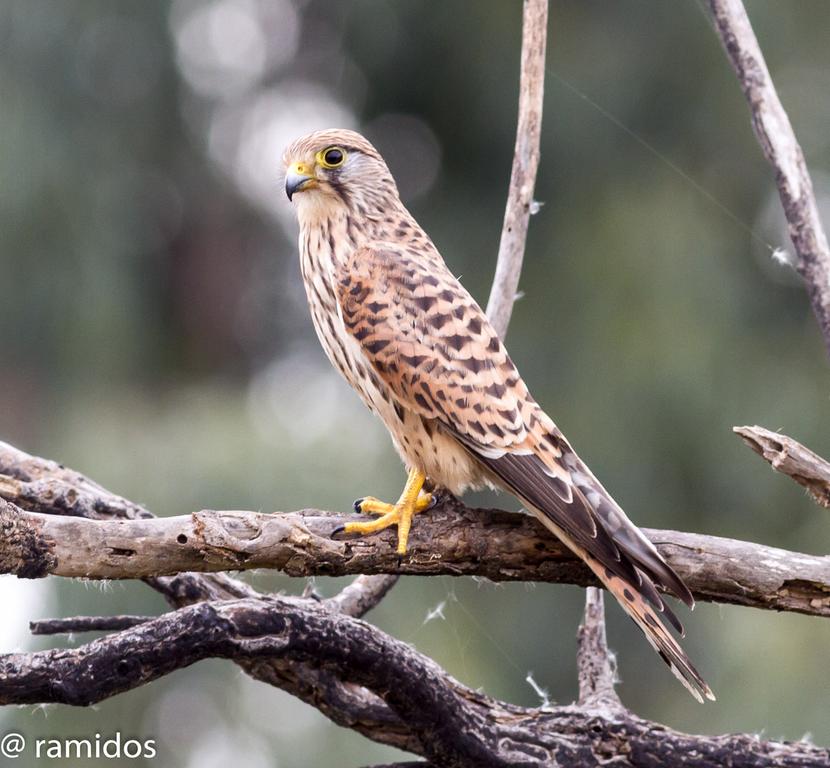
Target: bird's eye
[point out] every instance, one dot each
(332, 157)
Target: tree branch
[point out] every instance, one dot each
(409, 764)
(55, 490)
(454, 725)
(346, 705)
(363, 594)
(597, 666)
(512, 541)
(525, 164)
(451, 540)
(782, 151)
(86, 624)
(49, 487)
(791, 458)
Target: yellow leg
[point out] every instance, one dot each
(369, 505)
(411, 502)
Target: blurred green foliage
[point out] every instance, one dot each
(155, 334)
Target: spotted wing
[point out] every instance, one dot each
(433, 346)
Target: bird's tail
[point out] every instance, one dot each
(641, 601)
(581, 513)
(637, 603)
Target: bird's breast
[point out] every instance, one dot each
(420, 442)
(323, 249)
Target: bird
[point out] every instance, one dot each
(420, 352)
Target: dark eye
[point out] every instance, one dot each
(333, 157)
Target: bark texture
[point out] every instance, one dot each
(450, 539)
(791, 458)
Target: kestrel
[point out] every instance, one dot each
(422, 355)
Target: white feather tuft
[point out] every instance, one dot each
(783, 257)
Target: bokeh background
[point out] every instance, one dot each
(154, 332)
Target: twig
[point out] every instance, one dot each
(596, 665)
(454, 726)
(86, 624)
(525, 164)
(792, 458)
(363, 594)
(781, 149)
(410, 764)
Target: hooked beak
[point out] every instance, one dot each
(298, 178)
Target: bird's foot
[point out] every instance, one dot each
(369, 505)
(399, 514)
(412, 501)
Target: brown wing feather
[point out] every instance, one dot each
(627, 536)
(432, 345)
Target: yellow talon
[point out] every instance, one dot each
(423, 502)
(412, 501)
(369, 505)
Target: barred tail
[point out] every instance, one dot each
(637, 605)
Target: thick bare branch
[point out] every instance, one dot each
(454, 726)
(42, 485)
(409, 764)
(525, 164)
(451, 539)
(791, 458)
(782, 151)
(345, 704)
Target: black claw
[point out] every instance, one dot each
(337, 531)
(357, 505)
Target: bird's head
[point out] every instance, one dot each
(337, 168)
